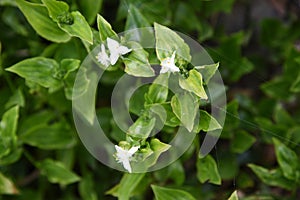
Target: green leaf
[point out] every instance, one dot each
(135, 19)
(158, 90)
(56, 8)
(162, 193)
(242, 141)
(234, 196)
(79, 28)
(296, 85)
(8, 129)
(185, 107)
(104, 28)
(16, 99)
(54, 136)
(7, 186)
(207, 122)
(90, 8)
(37, 16)
(287, 160)
(193, 84)
(126, 186)
(207, 71)
(142, 127)
(56, 172)
(66, 67)
(86, 188)
(277, 88)
(38, 70)
(137, 63)
(207, 170)
(165, 114)
(168, 41)
(272, 177)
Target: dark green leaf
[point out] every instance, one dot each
(242, 141)
(90, 8)
(162, 193)
(16, 99)
(56, 172)
(207, 170)
(54, 136)
(272, 177)
(287, 159)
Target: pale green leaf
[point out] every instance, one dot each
(207, 122)
(185, 107)
(141, 128)
(207, 71)
(56, 8)
(193, 84)
(168, 41)
(7, 186)
(137, 63)
(38, 70)
(8, 128)
(234, 196)
(79, 28)
(37, 16)
(104, 28)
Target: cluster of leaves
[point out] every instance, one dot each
(41, 156)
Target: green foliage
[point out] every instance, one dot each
(44, 42)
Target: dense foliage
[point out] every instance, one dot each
(257, 43)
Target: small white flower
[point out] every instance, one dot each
(168, 64)
(124, 156)
(102, 57)
(116, 50)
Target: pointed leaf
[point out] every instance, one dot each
(79, 28)
(242, 141)
(90, 8)
(56, 172)
(135, 19)
(185, 107)
(207, 122)
(37, 16)
(207, 71)
(141, 128)
(163, 193)
(104, 28)
(38, 70)
(234, 196)
(272, 177)
(193, 84)
(7, 186)
(137, 63)
(158, 90)
(168, 41)
(287, 159)
(207, 170)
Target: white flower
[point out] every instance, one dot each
(124, 156)
(102, 57)
(116, 50)
(168, 64)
